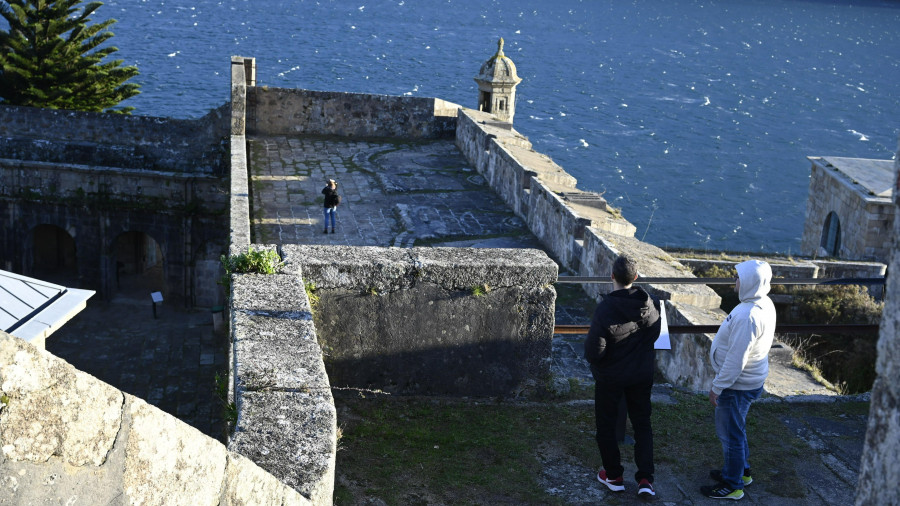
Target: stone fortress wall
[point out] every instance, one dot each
(286, 418)
(194, 146)
(102, 175)
(367, 294)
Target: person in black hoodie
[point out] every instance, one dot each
(620, 350)
(332, 200)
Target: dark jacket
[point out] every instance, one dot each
(624, 329)
(332, 199)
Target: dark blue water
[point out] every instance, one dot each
(693, 116)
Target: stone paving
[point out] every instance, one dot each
(170, 361)
(394, 194)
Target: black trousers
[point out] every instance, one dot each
(607, 398)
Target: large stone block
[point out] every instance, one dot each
(53, 409)
(248, 484)
(291, 435)
(271, 352)
(170, 463)
(432, 320)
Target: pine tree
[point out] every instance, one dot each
(51, 57)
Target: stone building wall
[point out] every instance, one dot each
(280, 111)
(880, 464)
(183, 213)
(865, 220)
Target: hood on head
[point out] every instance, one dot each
(756, 279)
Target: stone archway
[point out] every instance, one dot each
(53, 255)
(139, 265)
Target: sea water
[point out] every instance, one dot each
(695, 117)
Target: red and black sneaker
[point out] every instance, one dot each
(616, 484)
(645, 488)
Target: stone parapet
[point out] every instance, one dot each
(286, 420)
(537, 189)
(116, 140)
(282, 111)
(447, 321)
(107, 187)
(798, 268)
(67, 437)
(239, 210)
(601, 250)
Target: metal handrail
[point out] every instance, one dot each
(727, 281)
(712, 329)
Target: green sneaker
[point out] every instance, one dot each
(722, 491)
(716, 474)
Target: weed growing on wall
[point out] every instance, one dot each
(253, 261)
(311, 295)
(480, 290)
(229, 409)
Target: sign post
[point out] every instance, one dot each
(156, 297)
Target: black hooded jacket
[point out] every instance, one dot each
(624, 329)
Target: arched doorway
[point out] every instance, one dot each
(53, 255)
(831, 235)
(139, 265)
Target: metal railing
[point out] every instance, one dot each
(726, 281)
(711, 329)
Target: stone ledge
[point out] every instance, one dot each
(286, 422)
(652, 262)
(291, 435)
(54, 409)
(276, 292)
(390, 269)
(277, 353)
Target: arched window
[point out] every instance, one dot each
(831, 235)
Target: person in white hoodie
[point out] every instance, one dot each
(740, 357)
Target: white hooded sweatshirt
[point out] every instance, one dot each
(740, 350)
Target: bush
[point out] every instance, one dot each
(837, 304)
(848, 361)
(253, 261)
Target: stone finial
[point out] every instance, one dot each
(500, 48)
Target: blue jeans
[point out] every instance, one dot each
(332, 213)
(731, 423)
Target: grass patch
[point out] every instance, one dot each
(427, 450)
(451, 451)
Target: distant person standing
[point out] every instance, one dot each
(332, 200)
(740, 357)
(620, 349)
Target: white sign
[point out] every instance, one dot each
(156, 296)
(663, 343)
